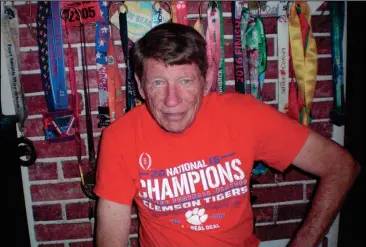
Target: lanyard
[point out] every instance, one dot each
(114, 84)
(181, 12)
(101, 48)
(337, 16)
(304, 56)
(213, 43)
(221, 81)
(130, 89)
(240, 83)
(56, 57)
(43, 11)
(257, 52)
(10, 30)
(283, 62)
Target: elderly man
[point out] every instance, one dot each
(186, 155)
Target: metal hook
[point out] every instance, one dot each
(200, 8)
(74, 8)
(259, 9)
(166, 2)
(119, 8)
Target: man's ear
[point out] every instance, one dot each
(210, 75)
(141, 90)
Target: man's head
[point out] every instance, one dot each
(170, 65)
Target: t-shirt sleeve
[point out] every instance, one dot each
(113, 180)
(277, 138)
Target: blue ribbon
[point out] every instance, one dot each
(56, 58)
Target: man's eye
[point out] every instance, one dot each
(186, 81)
(157, 82)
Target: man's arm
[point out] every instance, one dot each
(113, 224)
(337, 171)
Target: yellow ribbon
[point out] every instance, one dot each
(305, 63)
(198, 26)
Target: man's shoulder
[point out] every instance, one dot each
(232, 100)
(126, 123)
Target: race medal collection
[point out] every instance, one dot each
(296, 49)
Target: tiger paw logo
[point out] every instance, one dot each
(196, 216)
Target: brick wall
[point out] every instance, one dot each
(60, 210)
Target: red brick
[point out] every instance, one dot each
(270, 47)
(320, 23)
(268, 177)
(321, 109)
(134, 208)
(37, 104)
(310, 190)
(272, 70)
(264, 214)
(51, 232)
(89, 31)
(274, 232)
(92, 79)
(324, 128)
(33, 127)
(29, 60)
(47, 149)
(278, 194)
(81, 244)
(134, 226)
(119, 54)
(96, 143)
(27, 38)
(43, 171)
(71, 168)
(323, 89)
(293, 174)
(47, 212)
(23, 12)
(270, 25)
(288, 212)
(94, 121)
(78, 210)
(229, 89)
(134, 242)
(325, 66)
(323, 45)
(55, 192)
(90, 55)
(31, 83)
(269, 91)
(51, 245)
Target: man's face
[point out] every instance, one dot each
(173, 94)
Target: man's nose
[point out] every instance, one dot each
(172, 96)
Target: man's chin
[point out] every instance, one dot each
(176, 128)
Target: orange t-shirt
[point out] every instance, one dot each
(192, 189)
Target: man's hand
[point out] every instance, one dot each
(113, 224)
(337, 171)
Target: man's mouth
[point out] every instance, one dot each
(174, 116)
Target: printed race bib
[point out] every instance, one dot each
(89, 11)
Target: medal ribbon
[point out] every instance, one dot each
(213, 43)
(304, 56)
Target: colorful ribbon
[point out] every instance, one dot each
(56, 58)
(304, 56)
(337, 115)
(213, 43)
(10, 31)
